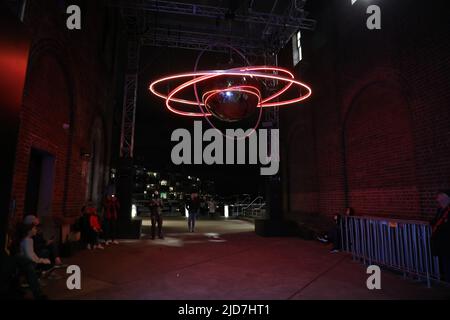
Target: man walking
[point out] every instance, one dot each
(155, 214)
(193, 206)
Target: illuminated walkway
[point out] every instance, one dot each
(227, 260)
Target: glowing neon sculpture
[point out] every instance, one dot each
(229, 95)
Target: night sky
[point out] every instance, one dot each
(155, 124)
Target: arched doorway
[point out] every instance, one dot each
(302, 170)
(45, 139)
(379, 153)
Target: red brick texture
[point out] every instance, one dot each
(65, 85)
(375, 135)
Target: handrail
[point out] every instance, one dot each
(257, 198)
(242, 202)
(262, 204)
(394, 219)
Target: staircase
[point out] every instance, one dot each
(250, 209)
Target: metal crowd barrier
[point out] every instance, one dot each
(400, 245)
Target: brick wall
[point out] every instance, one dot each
(70, 80)
(380, 112)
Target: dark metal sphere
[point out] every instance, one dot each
(233, 99)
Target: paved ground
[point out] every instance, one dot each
(227, 260)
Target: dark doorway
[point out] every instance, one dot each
(40, 183)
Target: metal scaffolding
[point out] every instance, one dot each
(193, 26)
(18, 7)
(295, 20)
(134, 22)
(270, 31)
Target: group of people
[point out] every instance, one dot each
(92, 227)
(28, 255)
(192, 204)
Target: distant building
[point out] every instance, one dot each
(171, 186)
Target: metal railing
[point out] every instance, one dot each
(252, 209)
(256, 208)
(169, 208)
(401, 245)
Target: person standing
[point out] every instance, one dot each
(156, 205)
(84, 227)
(211, 208)
(440, 236)
(111, 212)
(203, 206)
(193, 206)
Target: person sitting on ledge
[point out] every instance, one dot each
(334, 234)
(12, 266)
(42, 246)
(42, 264)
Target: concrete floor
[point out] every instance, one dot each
(225, 259)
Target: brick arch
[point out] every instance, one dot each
(56, 50)
(378, 151)
(302, 169)
(48, 104)
(377, 75)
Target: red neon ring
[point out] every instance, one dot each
(206, 73)
(245, 71)
(232, 72)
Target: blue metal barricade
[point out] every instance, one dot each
(401, 245)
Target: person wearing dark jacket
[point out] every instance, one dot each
(440, 237)
(193, 206)
(156, 206)
(83, 227)
(111, 208)
(334, 235)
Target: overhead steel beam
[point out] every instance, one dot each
(296, 20)
(129, 101)
(272, 32)
(196, 44)
(201, 40)
(163, 31)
